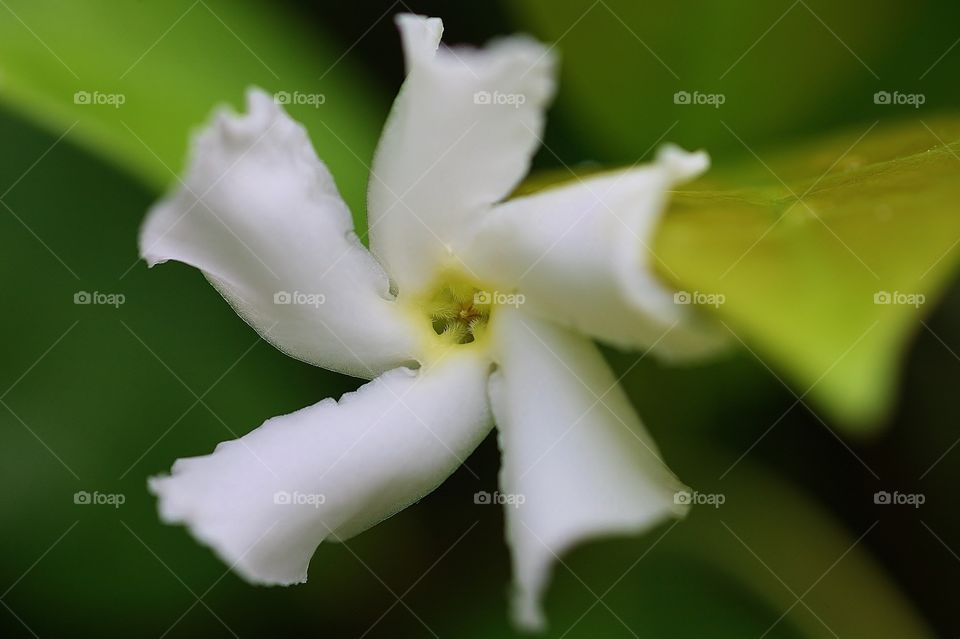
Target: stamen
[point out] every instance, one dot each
(457, 313)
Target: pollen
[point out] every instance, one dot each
(459, 313)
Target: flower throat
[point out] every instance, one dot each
(459, 313)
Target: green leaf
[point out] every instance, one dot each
(780, 545)
(170, 63)
(806, 245)
(623, 61)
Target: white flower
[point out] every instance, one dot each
(467, 311)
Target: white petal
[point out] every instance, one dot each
(446, 154)
(572, 447)
(578, 253)
(260, 215)
(340, 468)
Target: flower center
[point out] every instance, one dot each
(459, 313)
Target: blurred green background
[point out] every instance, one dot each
(97, 398)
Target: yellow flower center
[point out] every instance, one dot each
(458, 313)
(453, 313)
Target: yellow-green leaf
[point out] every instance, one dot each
(828, 256)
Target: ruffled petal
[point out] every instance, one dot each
(578, 254)
(459, 138)
(264, 502)
(576, 458)
(260, 215)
